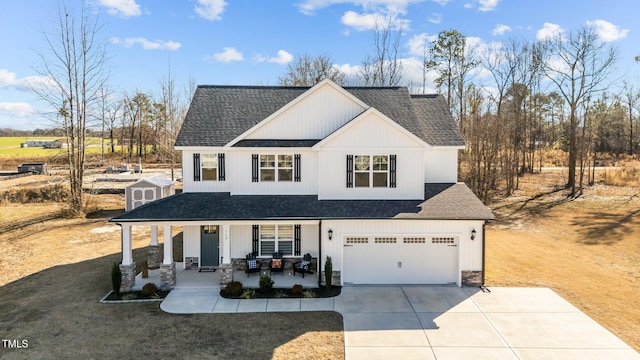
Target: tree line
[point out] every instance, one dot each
(554, 93)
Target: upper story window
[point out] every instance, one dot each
(281, 168)
(371, 171)
(208, 167)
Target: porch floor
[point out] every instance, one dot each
(194, 279)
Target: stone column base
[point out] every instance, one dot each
(128, 277)
(154, 256)
(226, 274)
(167, 276)
(471, 278)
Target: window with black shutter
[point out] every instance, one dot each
(349, 171)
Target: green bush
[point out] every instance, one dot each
(149, 289)
(266, 284)
(328, 272)
(233, 289)
(296, 290)
(249, 294)
(116, 278)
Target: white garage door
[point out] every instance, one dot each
(400, 259)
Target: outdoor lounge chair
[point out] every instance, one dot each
(277, 263)
(253, 264)
(303, 265)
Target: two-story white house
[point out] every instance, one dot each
(366, 175)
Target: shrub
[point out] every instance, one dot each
(328, 272)
(309, 294)
(233, 289)
(145, 270)
(249, 294)
(116, 278)
(266, 284)
(149, 289)
(279, 295)
(129, 296)
(296, 290)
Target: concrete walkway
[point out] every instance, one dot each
(439, 322)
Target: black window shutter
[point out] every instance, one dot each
(221, 172)
(349, 171)
(297, 234)
(255, 244)
(392, 171)
(196, 167)
(254, 168)
(296, 167)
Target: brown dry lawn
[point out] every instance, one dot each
(52, 275)
(587, 250)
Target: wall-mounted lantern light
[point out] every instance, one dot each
(330, 232)
(473, 234)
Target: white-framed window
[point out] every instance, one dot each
(209, 167)
(371, 170)
(276, 238)
(276, 167)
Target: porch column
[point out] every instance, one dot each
(168, 267)
(127, 254)
(127, 267)
(154, 251)
(225, 268)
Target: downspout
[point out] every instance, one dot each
(319, 250)
(483, 287)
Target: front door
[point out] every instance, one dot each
(209, 245)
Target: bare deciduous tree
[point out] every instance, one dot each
(308, 71)
(384, 67)
(75, 64)
(580, 64)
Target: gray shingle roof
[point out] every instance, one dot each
(442, 201)
(219, 114)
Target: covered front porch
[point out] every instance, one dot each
(194, 279)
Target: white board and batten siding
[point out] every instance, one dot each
(403, 251)
(441, 165)
(313, 117)
(370, 135)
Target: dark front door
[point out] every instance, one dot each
(209, 245)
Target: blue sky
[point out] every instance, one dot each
(250, 42)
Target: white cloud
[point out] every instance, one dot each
(549, 31)
(147, 44)
(435, 18)
(500, 29)
(9, 79)
(18, 109)
(125, 8)
(364, 22)
(441, 2)
(417, 43)
(210, 9)
(283, 58)
(607, 31)
(228, 54)
(391, 6)
(488, 5)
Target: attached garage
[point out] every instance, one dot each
(401, 259)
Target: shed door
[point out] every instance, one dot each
(142, 195)
(400, 259)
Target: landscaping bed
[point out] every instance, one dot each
(235, 290)
(133, 296)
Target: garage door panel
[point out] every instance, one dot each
(400, 260)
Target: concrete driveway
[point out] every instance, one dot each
(440, 322)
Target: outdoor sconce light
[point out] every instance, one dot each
(330, 232)
(473, 234)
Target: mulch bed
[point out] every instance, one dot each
(287, 293)
(133, 296)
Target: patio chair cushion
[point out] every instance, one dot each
(276, 263)
(252, 264)
(304, 263)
